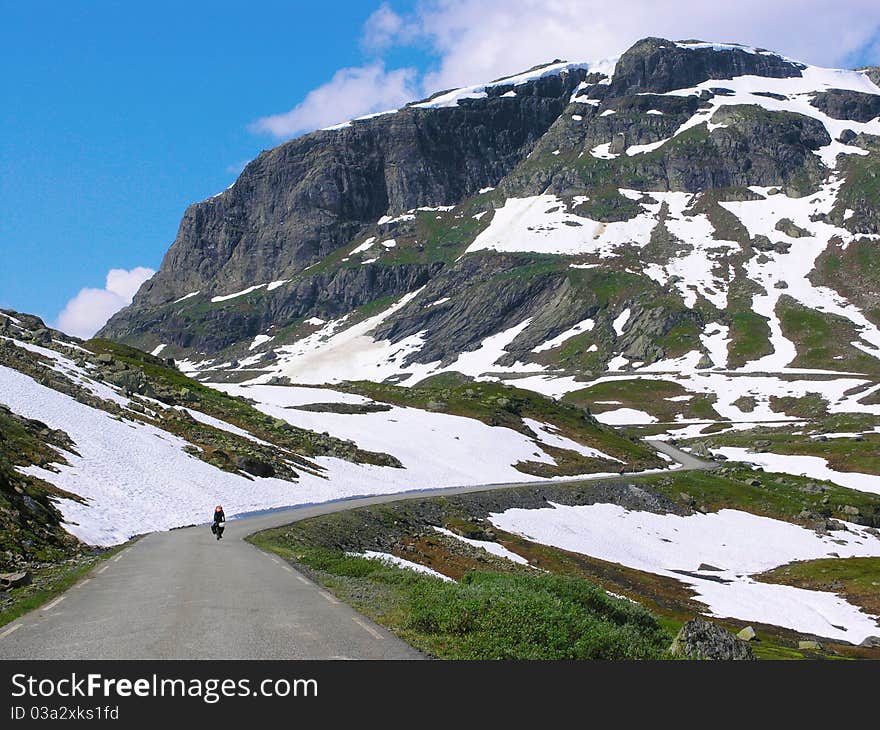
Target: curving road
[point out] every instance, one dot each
(184, 595)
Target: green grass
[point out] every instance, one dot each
(749, 337)
(486, 615)
(49, 582)
(647, 395)
(780, 496)
(822, 339)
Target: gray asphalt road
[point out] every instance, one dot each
(184, 595)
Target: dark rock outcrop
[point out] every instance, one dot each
(701, 639)
(844, 104)
(659, 65)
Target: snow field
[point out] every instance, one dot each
(737, 544)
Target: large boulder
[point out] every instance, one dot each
(701, 639)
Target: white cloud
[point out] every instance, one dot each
(90, 309)
(351, 92)
(480, 40)
(383, 28)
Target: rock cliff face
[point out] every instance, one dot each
(299, 202)
(656, 65)
(628, 213)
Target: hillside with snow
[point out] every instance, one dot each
(140, 447)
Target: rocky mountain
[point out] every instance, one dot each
(689, 208)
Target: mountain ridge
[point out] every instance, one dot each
(689, 208)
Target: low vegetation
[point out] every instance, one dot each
(486, 614)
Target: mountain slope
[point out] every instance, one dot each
(701, 217)
(654, 175)
(101, 441)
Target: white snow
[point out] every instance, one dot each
(343, 125)
(451, 98)
(315, 321)
(227, 297)
(620, 321)
(618, 362)
(260, 340)
(798, 92)
(490, 547)
(603, 151)
(815, 467)
(435, 449)
(135, 477)
(624, 417)
(585, 325)
(158, 349)
(715, 339)
(402, 563)
(640, 149)
(386, 219)
(738, 543)
(273, 285)
(187, 296)
(150, 483)
(366, 245)
(542, 223)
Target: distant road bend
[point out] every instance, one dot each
(181, 595)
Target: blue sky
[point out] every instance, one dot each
(114, 116)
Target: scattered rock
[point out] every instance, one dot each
(14, 580)
(790, 228)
